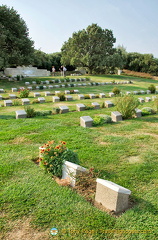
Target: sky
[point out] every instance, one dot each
(134, 23)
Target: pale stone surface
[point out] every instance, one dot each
(141, 100)
(80, 107)
(67, 92)
(27, 83)
(111, 94)
(128, 93)
(102, 95)
(108, 104)
(80, 96)
(14, 89)
(86, 121)
(0, 97)
(135, 92)
(148, 92)
(76, 91)
(112, 196)
(55, 99)
(71, 170)
(47, 94)
(47, 82)
(68, 98)
(29, 88)
(37, 94)
(57, 92)
(41, 99)
(8, 103)
(138, 113)
(2, 90)
(21, 114)
(116, 116)
(147, 99)
(92, 96)
(142, 92)
(12, 96)
(96, 105)
(64, 109)
(50, 86)
(154, 97)
(25, 101)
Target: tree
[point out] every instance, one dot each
(88, 48)
(16, 48)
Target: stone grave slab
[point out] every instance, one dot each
(68, 98)
(55, 99)
(64, 109)
(12, 96)
(8, 103)
(41, 99)
(25, 101)
(80, 96)
(108, 104)
(71, 170)
(116, 116)
(80, 107)
(112, 196)
(102, 95)
(36, 94)
(86, 121)
(96, 105)
(21, 114)
(111, 94)
(92, 96)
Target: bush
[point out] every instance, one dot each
(16, 102)
(54, 155)
(43, 113)
(147, 111)
(89, 107)
(127, 105)
(152, 88)
(86, 96)
(24, 93)
(61, 96)
(38, 81)
(101, 120)
(18, 77)
(41, 87)
(30, 112)
(116, 91)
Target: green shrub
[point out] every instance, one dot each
(89, 107)
(38, 81)
(24, 93)
(71, 91)
(41, 87)
(126, 105)
(101, 120)
(18, 77)
(43, 113)
(147, 111)
(30, 112)
(16, 102)
(152, 88)
(86, 96)
(116, 91)
(61, 96)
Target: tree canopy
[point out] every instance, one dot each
(16, 48)
(90, 48)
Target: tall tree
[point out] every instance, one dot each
(16, 48)
(90, 48)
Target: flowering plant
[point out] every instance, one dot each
(24, 93)
(53, 156)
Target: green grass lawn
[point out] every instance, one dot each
(125, 153)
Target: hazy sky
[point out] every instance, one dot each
(51, 22)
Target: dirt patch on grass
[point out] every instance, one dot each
(134, 159)
(22, 230)
(19, 140)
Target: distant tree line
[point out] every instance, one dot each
(91, 48)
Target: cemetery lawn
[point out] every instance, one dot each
(125, 153)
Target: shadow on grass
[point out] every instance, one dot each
(7, 117)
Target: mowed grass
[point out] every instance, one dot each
(124, 152)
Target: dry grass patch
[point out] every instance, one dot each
(22, 230)
(19, 140)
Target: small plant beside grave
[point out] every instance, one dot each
(24, 93)
(101, 120)
(126, 105)
(53, 156)
(152, 88)
(116, 91)
(147, 111)
(30, 112)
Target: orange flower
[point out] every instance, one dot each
(63, 142)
